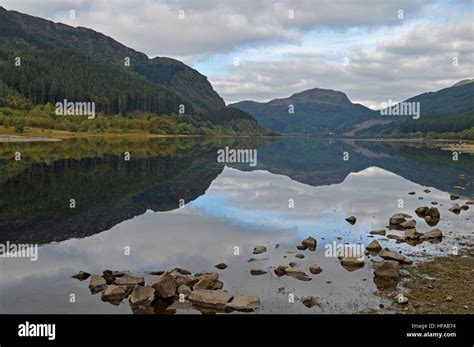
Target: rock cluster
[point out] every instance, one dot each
(202, 290)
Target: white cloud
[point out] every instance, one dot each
(395, 69)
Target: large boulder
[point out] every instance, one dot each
(215, 299)
(243, 304)
(433, 234)
(142, 296)
(164, 286)
(130, 281)
(387, 269)
(97, 284)
(397, 219)
(422, 211)
(411, 234)
(374, 246)
(389, 255)
(352, 263)
(378, 232)
(433, 212)
(113, 294)
(186, 279)
(410, 224)
(208, 282)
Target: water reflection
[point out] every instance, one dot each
(136, 205)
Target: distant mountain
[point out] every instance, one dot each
(165, 82)
(316, 111)
(449, 110)
(457, 100)
(460, 83)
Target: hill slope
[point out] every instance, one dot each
(316, 111)
(23, 33)
(449, 110)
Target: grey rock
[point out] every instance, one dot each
(216, 299)
(97, 284)
(256, 272)
(243, 304)
(259, 249)
(142, 296)
(315, 269)
(164, 286)
(81, 275)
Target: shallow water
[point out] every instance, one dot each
(136, 206)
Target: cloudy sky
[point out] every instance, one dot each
(260, 50)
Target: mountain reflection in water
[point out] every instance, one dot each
(136, 204)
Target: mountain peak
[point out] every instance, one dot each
(320, 93)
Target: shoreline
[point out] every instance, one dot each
(440, 286)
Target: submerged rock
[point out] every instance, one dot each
(465, 207)
(315, 269)
(456, 209)
(454, 197)
(243, 304)
(299, 256)
(216, 299)
(296, 273)
(387, 269)
(378, 232)
(256, 272)
(97, 284)
(310, 301)
(221, 266)
(259, 249)
(280, 270)
(351, 220)
(81, 275)
(352, 263)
